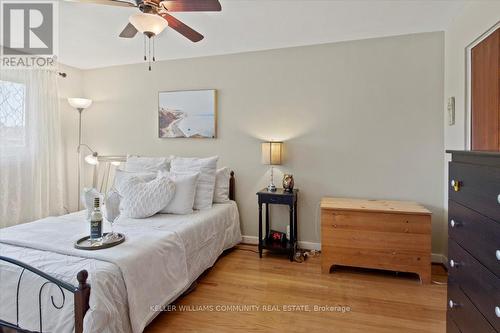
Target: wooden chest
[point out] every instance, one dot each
(474, 242)
(392, 235)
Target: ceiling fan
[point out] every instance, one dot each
(154, 17)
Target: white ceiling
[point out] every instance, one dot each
(89, 33)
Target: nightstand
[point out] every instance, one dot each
(280, 197)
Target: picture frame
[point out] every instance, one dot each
(187, 114)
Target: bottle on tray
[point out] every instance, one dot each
(96, 222)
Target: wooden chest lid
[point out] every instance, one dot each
(383, 206)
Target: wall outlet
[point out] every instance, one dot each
(451, 111)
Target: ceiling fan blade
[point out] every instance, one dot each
(120, 3)
(192, 5)
(129, 32)
(182, 28)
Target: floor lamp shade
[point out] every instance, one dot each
(79, 103)
(272, 153)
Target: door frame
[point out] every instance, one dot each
(468, 83)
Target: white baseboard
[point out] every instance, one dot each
(253, 240)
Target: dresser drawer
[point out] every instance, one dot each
(478, 188)
(479, 284)
(479, 235)
(464, 313)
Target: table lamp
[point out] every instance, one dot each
(272, 155)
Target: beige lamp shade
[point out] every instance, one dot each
(272, 153)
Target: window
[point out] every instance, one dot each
(12, 114)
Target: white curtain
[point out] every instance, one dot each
(31, 159)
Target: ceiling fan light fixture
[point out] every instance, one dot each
(149, 24)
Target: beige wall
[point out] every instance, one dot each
(476, 18)
(361, 119)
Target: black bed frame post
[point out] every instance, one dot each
(232, 194)
(82, 295)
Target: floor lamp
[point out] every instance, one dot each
(81, 104)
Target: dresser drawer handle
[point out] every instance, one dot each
(456, 184)
(454, 264)
(453, 305)
(497, 254)
(454, 224)
(497, 311)
(498, 198)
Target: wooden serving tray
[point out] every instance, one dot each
(85, 244)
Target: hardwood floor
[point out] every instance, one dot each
(379, 301)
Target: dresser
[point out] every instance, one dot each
(391, 235)
(474, 242)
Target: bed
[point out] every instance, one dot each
(45, 281)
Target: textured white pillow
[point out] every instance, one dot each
(207, 168)
(185, 191)
(221, 191)
(147, 164)
(122, 176)
(143, 199)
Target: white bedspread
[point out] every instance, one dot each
(160, 258)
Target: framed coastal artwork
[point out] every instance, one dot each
(187, 114)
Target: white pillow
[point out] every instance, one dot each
(206, 182)
(221, 191)
(122, 176)
(143, 199)
(147, 164)
(87, 197)
(185, 191)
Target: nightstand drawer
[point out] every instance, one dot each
(477, 187)
(277, 199)
(479, 284)
(464, 313)
(479, 235)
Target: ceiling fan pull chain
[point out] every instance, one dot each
(149, 47)
(154, 49)
(144, 38)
